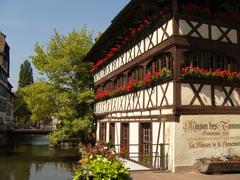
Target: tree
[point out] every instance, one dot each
(25, 74)
(66, 94)
(21, 112)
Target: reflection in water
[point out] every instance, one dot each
(31, 159)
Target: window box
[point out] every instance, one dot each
(209, 166)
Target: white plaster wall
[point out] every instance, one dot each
(195, 139)
(170, 27)
(167, 137)
(232, 35)
(203, 30)
(134, 139)
(186, 94)
(170, 138)
(157, 38)
(97, 132)
(219, 96)
(167, 111)
(170, 93)
(117, 135)
(107, 132)
(184, 28)
(236, 97)
(205, 94)
(155, 140)
(137, 101)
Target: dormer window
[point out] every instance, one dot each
(136, 73)
(159, 62)
(108, 86)
(120, 81)
(99, 89)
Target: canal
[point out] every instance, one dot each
(31, 159)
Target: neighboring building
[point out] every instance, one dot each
(6, 95)
(167, 80)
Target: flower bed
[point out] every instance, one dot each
(210, 74)
(101, 162)
(151, 79)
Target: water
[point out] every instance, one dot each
(31, 159)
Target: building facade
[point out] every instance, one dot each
(6, 95)
(167, 82)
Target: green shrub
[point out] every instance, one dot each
(101, 163)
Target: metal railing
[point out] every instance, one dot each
(156, 158)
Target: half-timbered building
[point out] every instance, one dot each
(6, 94)
(167, 82)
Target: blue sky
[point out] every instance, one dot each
(26, 22)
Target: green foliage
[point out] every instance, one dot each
(66, 94)
(62, 60)
(40, 98)
(21, 111)
(101, 163)
(25, 74)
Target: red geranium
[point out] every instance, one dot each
(133, 32)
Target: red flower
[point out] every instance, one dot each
(123, 149)
(225, 74)
(145, 22)
(121, 88)
(148, 78)
(130, 85)
(114, 50)
(118, 46)
(132, 34)
(102, 95)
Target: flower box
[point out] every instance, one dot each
(213, 166)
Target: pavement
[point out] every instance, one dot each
(186, 173)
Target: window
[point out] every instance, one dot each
(145, 142)
(3, 105)
(102, 132)
(223, 7)
(159, 62)
(3, 75)
(136, 74)
(108, 86)
(120, 81)
(99, 89)
(209, 60)
(3, 90)
(124, 137)
(8, 110)
(112, 133)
